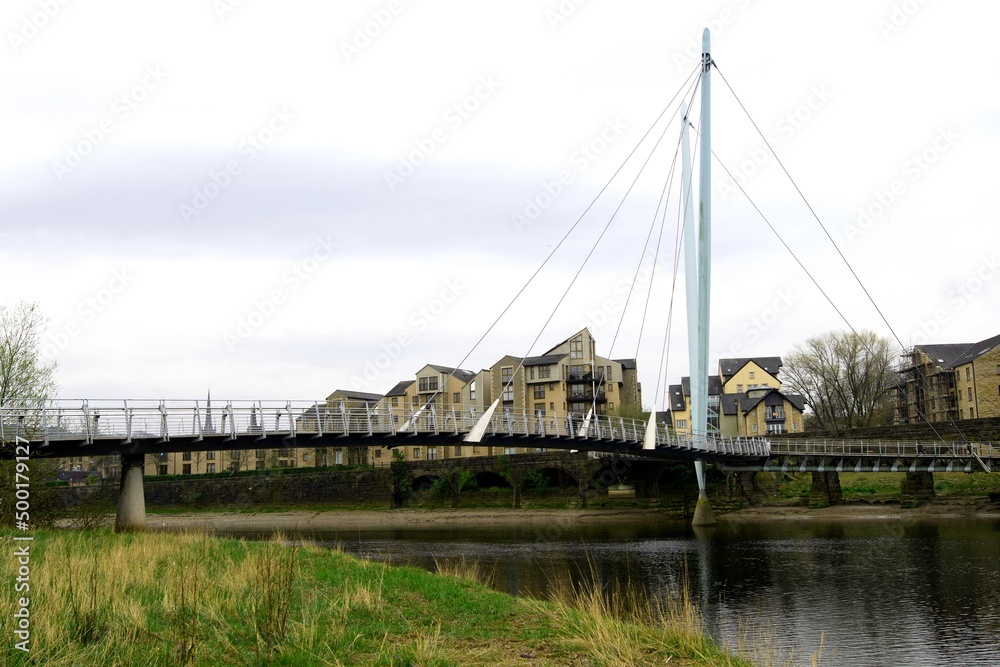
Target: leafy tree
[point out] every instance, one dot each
(26, 379)
(847, 379)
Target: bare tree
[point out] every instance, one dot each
(25, 377)
(847, 379)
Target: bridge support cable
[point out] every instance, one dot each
(689, 83)
(840, 253)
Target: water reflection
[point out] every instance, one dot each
(877, 592)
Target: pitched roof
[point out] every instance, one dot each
(974, 351)
(677, 401)
(543, 360)
(730, 367)
(746, 403)
(350, 394)
(463, 375)
(714, 385)
(560, 344)
(400, 388)
(943, 354)
(730, 403)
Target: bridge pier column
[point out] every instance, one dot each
(131, 499)
(916, 488)
(825, 489)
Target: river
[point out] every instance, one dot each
(859, 593)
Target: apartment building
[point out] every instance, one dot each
(744, 399)
(949, 382)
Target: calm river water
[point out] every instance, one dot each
(873, 592)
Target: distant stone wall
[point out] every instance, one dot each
(353, 486)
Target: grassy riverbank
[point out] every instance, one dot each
(98, 598)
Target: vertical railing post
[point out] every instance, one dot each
(343, 415)
(86, 422)
(291, 418)
(319, 421)
(368, 416)
(392, 420)
(164, 430)
(434, 419)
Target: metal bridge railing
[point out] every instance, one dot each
(124, 420)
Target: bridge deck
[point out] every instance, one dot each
(93, 428)
(90, 428)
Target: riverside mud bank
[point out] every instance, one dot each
(419, 519)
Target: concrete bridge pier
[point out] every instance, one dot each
(825, 490)
(131, 499)
(917, 487)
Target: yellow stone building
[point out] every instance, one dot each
(744, 399)
(949, 382)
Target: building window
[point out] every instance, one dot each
(378, 453)
(611, 406)
(210, 468)
(576, 348)
(539, 391)
(998, 369)
(531, 372)
(507, 383)
(235, 454)
(972, 413)
(970, 393)
(751, 375)
(552, 405)
(458, 450)
(187, 469)
(510, 450)
(395, 400)
(472, 390)
(186, 457)
(416, 452)
(456, 398)
(682, 423)
(261, 453)
(739, 389)
(432, 453)
(968, 373)
(545, 372)
(774, 428)
(539, 409)
(209, 456)
(754, 429)
(611, 387)
(163, 468)
(608, 377)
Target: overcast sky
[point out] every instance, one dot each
(264, 197)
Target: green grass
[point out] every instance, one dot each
(100, 598)
(885, 486)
